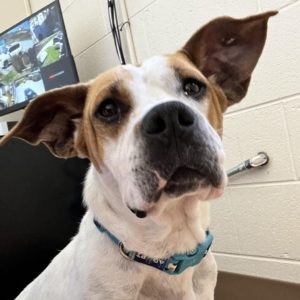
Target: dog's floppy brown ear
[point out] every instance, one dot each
(228, 49)
(51, 119)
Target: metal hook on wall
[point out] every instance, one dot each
(259, 160)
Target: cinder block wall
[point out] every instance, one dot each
(13, 12)
(257, 222)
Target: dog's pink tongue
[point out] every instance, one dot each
(161, 182)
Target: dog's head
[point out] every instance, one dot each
(155, 128)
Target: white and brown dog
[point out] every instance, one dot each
(153, 135)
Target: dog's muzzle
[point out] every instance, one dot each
(178, 146)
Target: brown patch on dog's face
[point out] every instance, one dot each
(108, 89)
(216, 108)
(217, 101)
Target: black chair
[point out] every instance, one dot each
(40, 210)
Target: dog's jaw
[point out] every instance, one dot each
(185, 220)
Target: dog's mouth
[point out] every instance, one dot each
(183, 180)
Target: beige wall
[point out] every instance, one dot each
(11, 12)
(257, 223)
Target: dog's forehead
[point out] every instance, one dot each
(158, 78)
(153, 75)
(154, 78)
(161, 68)
(153, 67)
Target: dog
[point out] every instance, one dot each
(153, 134)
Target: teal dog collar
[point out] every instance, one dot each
(173, 265)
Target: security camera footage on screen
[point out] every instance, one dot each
(34, 57)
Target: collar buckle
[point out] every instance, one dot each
(124, 253)
(171, 267)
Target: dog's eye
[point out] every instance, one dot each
(194, 88)
(109, 111)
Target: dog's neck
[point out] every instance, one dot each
(178, 227)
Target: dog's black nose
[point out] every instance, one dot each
(177, 146)
(167, 122)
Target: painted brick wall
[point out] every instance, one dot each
(13, 12)
(257, 222)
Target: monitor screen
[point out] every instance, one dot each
(35, 57)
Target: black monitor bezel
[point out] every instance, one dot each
(23, 104)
